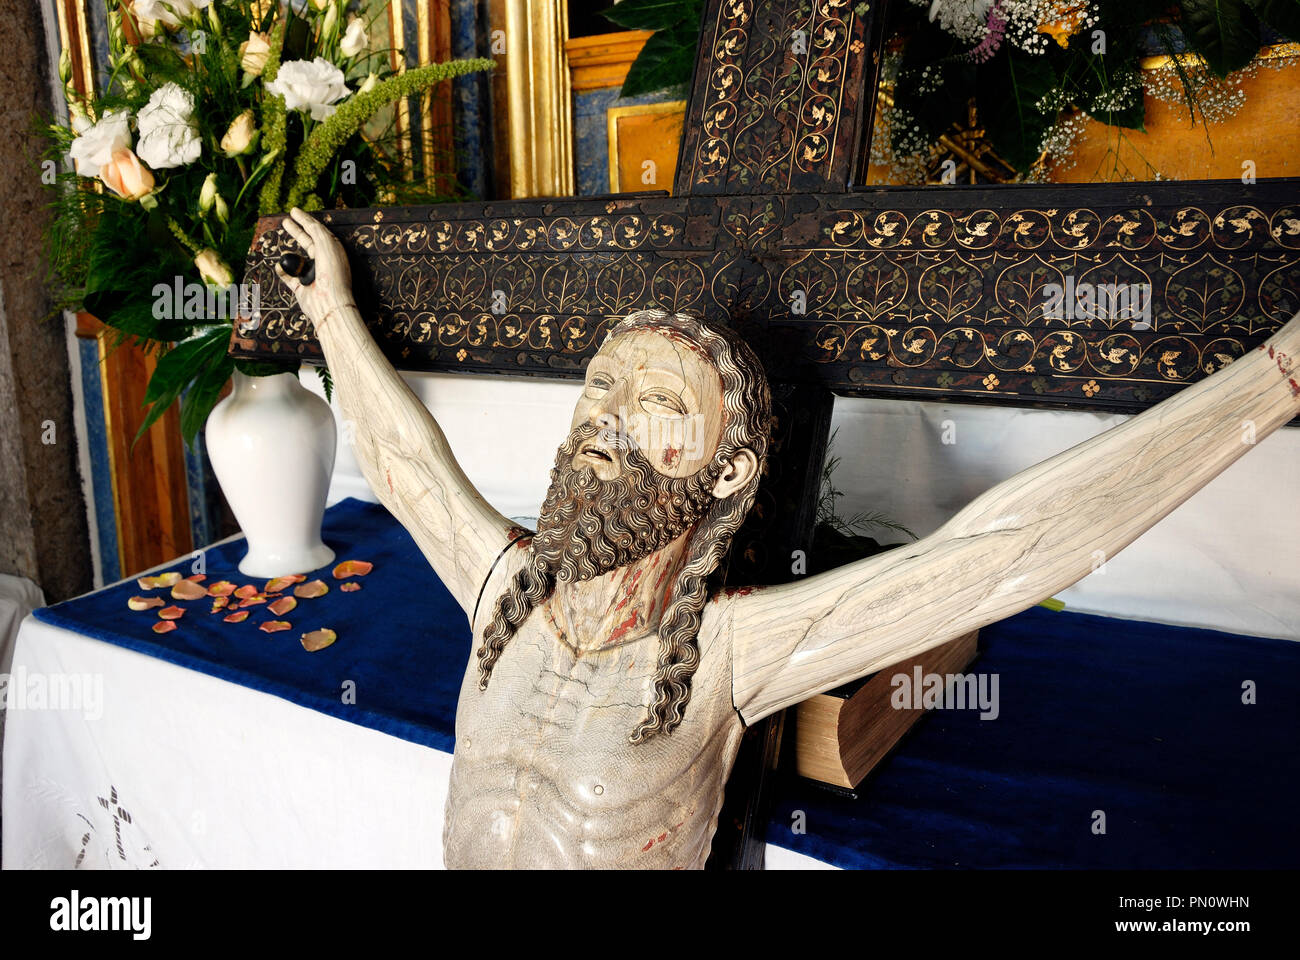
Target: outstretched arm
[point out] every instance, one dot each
(401, 448)
(1030, 536)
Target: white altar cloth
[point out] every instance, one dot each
(174, 768)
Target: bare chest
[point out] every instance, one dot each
(545, 775)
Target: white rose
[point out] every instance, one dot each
(169, 12)
(213, 269)
(355, 39)
(97, 143)
(169, 136)
(316, 86)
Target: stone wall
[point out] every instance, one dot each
(43, 527)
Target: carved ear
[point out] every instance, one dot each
(739, 471)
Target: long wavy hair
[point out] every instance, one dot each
(746, 416)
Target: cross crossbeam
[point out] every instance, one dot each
(1094, 296)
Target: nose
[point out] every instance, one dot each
(604, 412)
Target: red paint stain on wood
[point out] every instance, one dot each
(671, 456)
(388, 474)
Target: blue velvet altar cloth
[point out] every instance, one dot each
(402, 639)
(1140, 721)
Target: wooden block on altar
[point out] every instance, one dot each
(842, 734)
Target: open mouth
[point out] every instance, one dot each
(596, 453)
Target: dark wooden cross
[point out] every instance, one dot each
(936, 293)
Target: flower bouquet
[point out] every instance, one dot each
(215, 112)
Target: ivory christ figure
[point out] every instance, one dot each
(599, 719)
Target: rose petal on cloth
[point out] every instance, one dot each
(161, 580)
(197, 577)
(352, 568)
(219, 603)
(164, 626)
(275, 626)
(282, 606)
(171, 613)
(307, 591)
(144, 603)
(188, 590)
(350, 587)
(318, 639)
(239, 616)
(222, 588)
(252, 601)
(279, 584)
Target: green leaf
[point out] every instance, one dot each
(1224, 32)
(653, 14)
(134, 318)
(665, 62)
(179, 365)
(1282, 15)
(327, 381)
(203, 394)
(197, 361)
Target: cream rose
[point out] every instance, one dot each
(213, 269)
(98, 142)
(169, 136)
(207, 193)
(240, 136)
(355, 39)
(316, 86)
(126, 176)
(253, 53)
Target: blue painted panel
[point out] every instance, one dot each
(472, 97)
(591, 135)
(101, 473)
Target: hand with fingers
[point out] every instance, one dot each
(331, 287)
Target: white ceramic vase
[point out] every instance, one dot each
(271, 443)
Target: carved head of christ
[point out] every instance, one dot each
(668, 442)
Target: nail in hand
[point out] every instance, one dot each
(296, 265)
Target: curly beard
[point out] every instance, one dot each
(589, 526)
